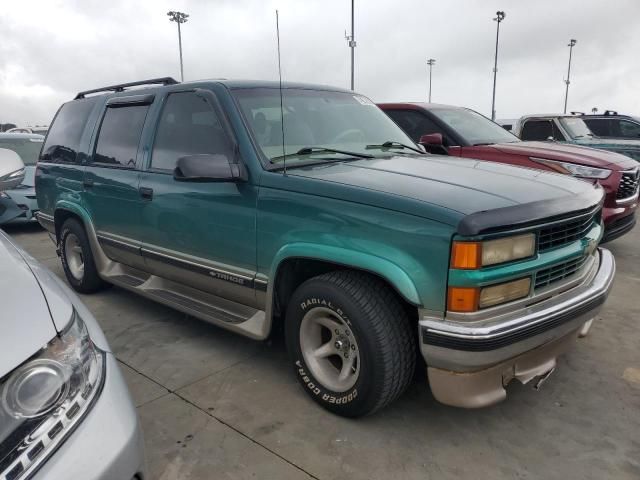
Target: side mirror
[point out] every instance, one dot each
(431, 139)
(433, 143)
(550, 139)
(208, 167)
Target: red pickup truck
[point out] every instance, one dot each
(457, 131)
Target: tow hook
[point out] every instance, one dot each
(543, 378)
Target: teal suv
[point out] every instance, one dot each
(249, 206)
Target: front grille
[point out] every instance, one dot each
(567, 232)
(628, 185)
(550, 275)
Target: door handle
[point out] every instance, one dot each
(146, 193)
(87, 182)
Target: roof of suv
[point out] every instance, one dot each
(158, 83)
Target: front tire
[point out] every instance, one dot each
(350, 341)
(77, 258)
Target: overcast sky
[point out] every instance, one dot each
(51, 49)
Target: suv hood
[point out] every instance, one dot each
(561, 152)
(25, 322)
(463, 185)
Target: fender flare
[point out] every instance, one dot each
(387, 270)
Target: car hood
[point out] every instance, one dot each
(578, 154)
(25, 322)
(463, 185)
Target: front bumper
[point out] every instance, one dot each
(18, 208)
(618, 226)
(470, 363)
(107, 444)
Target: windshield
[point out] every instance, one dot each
(27, 148)
(320, 119)
(576, 127)
(473, 127)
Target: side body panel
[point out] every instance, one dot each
(410, 252)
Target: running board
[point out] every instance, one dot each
(219, 311)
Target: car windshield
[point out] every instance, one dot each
(27, 148)
(473, 127)
(317, 121)
(576, 127)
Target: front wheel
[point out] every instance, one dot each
(350, 341)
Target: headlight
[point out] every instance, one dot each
(474, 255)
(575, 170)
(43, 399)
(4, 195)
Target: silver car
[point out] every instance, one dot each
(65, 411)
(19, 204)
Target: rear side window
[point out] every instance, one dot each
(629, 129)
(537, 130)
(414, 123)
(63, 139)
(119, 136)
(188, 126)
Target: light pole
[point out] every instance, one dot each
(499, 18)
(352, 43)
(179, 17)
(571, 44)
(431, 62)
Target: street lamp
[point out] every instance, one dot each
(571, 44)
(431, 62)
(179, 17)
(351, 42)
(499, 18)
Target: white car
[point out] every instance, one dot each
(40, 130)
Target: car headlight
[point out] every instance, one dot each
(474, 255)
(43, 399)
(4, 195)
(575, 170)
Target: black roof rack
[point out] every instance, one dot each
(577, 113)
(610, 112)
(122, 86)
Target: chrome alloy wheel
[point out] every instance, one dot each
(329, 349)
(73, 256)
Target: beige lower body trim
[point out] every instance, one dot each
(486, 387)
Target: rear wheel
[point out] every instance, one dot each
(350, 341)
(77, 258)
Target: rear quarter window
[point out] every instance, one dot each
(63, 139)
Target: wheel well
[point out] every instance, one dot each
(60, 216)
(295, 271)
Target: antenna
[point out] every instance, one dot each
(284, 153)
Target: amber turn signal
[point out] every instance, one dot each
(466, 255)
(463, 299)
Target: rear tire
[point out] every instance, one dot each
(350, 341)
(77, 258)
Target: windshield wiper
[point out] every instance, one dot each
(312, 150)
(391, 144)
(484, 144)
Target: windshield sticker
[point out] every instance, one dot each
(363, 100)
